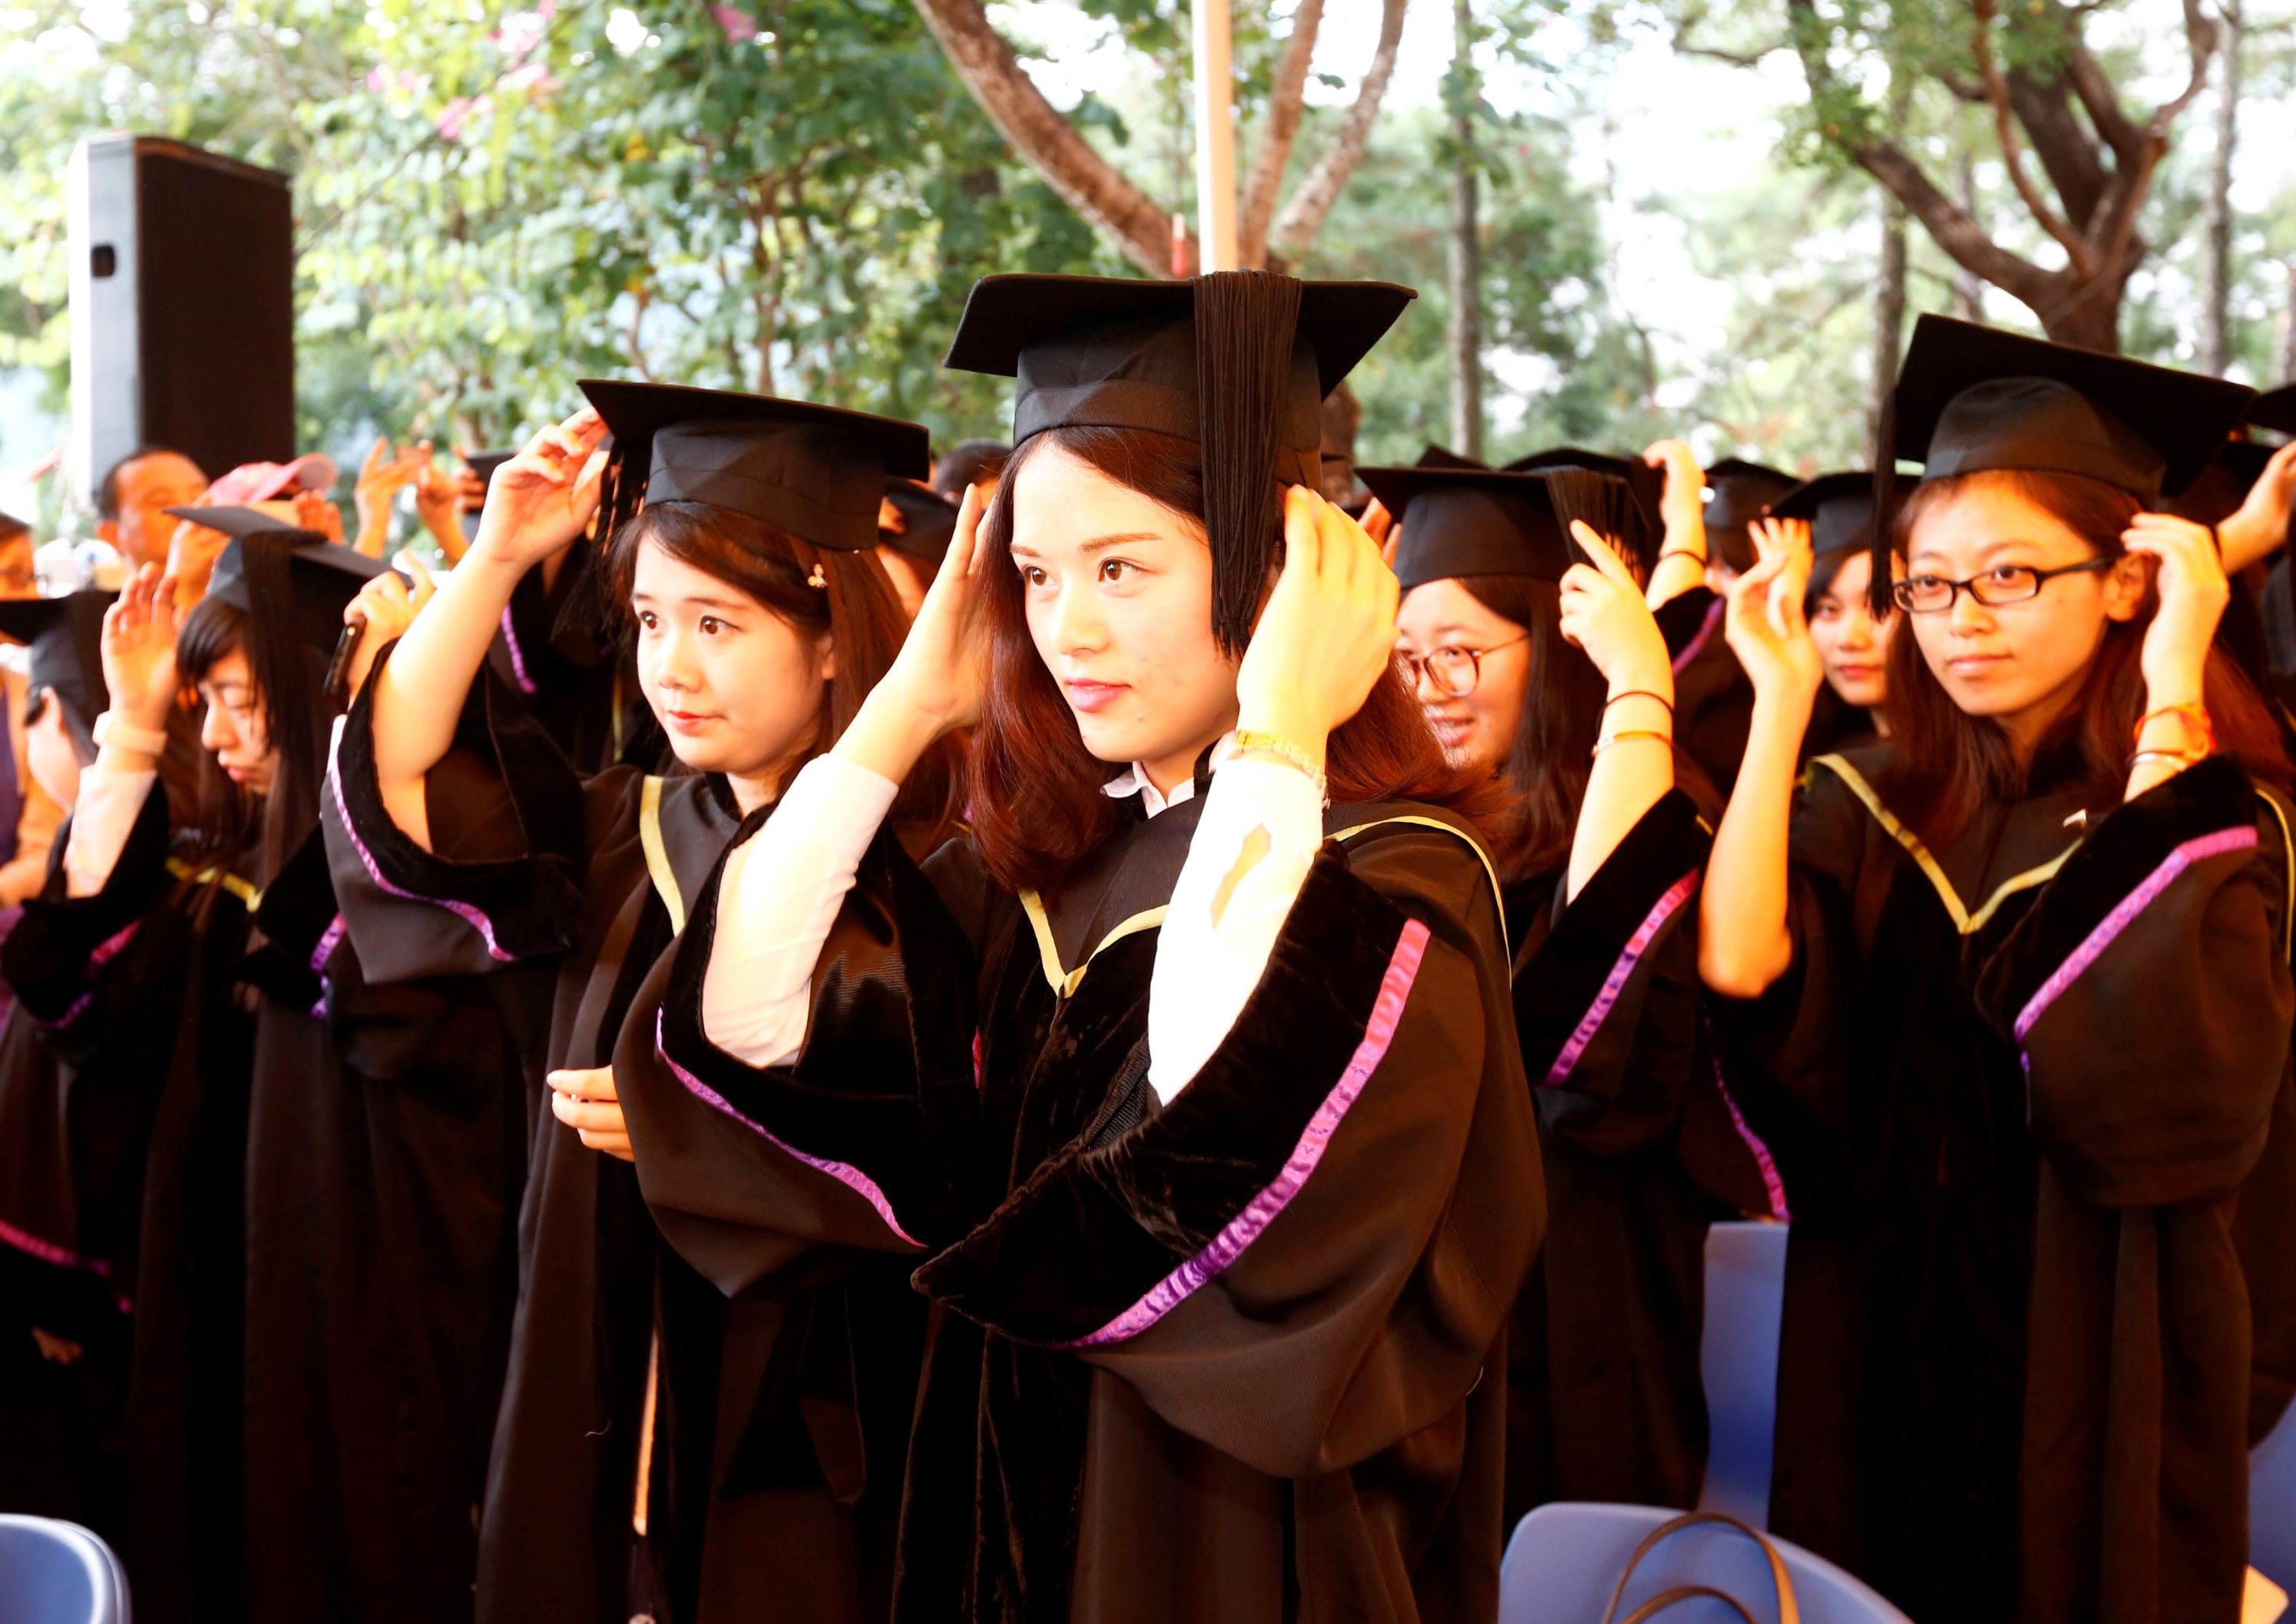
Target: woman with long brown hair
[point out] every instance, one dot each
(1537, 660)
(657, 1449)
(1194, 1102)
(2018, 982)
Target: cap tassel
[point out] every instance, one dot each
(1246, 325)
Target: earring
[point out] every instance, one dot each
(818, 579)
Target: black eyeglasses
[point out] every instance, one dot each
(1454, 671)
(1933, 594)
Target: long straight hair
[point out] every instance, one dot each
(1037, 805)
(1950, 766)
(855, 607)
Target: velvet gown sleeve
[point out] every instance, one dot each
(66, 956)
(1306, 1255)
(2147, 991)
(502, 883)
(861, 1141)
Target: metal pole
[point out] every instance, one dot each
(1215, 140)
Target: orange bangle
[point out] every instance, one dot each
(2196, 723)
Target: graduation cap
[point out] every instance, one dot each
(1237, 362)
(66, 636)
(320, 577)
(1971, 398)
(817, 472)
(928, 521)
(1838, 508)
(1468, 522)
(483, 463)
(2275, 409)
(2224, 484)
(1641, 530)
(1442, 456)
(1743, 492)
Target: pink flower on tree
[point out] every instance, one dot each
(740, 27)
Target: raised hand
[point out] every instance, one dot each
(2193, 593)
(1603, 612)
(139, 649)
(2260, 528)
(1327, 632)
(382, 476)
(315, 513)
(386, 606)
(1765, 627)
(544, 497)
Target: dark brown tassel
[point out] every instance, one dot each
(288, 672)
(1605, 505)
(1246, 325)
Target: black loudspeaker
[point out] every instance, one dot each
(182, 307)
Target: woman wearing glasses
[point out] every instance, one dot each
(1535, 658)
(2018, 981)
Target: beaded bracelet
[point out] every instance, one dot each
(1667, 552)
(2180, 757)
(1281, 749)
(2196, 721)
(1625, 734)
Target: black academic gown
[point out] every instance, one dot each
(2023, 1088)
(385, 1152)
(1645, 1146)
(1220, 1359)
(541, 888)
(577, 681)
(1713, 700)
(124, 1073)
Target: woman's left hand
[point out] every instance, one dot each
(1603, 612)
(387, 605)
(2193, 591)
(586, 1103)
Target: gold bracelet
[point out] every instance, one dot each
(1625, 734)
(2182, 757)
(1281, 749)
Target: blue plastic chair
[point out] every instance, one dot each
(1745, 1295)
(1565, 1559)
(55, 1573)
(2272, 1505)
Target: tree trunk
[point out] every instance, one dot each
(1968, 286)
(1466, 289)
(1889, 306)
(2216, 218)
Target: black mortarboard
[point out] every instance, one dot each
(2275, 409)
(1238, 362)
(928, 520)
(1469, 522)
(1743, 492)
(66, 636)
(1971, 398)
(322, 576)
(1443, 456)
(483, 463)
(817, 472)
(2224, 484)
(1838, 508)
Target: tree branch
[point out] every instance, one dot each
(2066, 151)
(2201, 40)
(1054, 147)
(2005, 127)
(1303, 215)
(2101, 102)
(1275, 150)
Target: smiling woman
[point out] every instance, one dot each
(669, 1428)
(1185, 1082)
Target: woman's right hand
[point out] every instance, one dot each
(1765, 627)
(139, 649)
(543, 498)
(1326, 635)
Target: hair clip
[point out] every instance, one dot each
(819, 579)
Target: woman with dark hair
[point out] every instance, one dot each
(659, 1450)
(2018, 981)
(1193, 1103)
(1832, 519)
(1536, 659)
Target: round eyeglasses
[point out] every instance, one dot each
(1934, 594)
(1453, 671)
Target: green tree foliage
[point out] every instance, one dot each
(792, 196)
